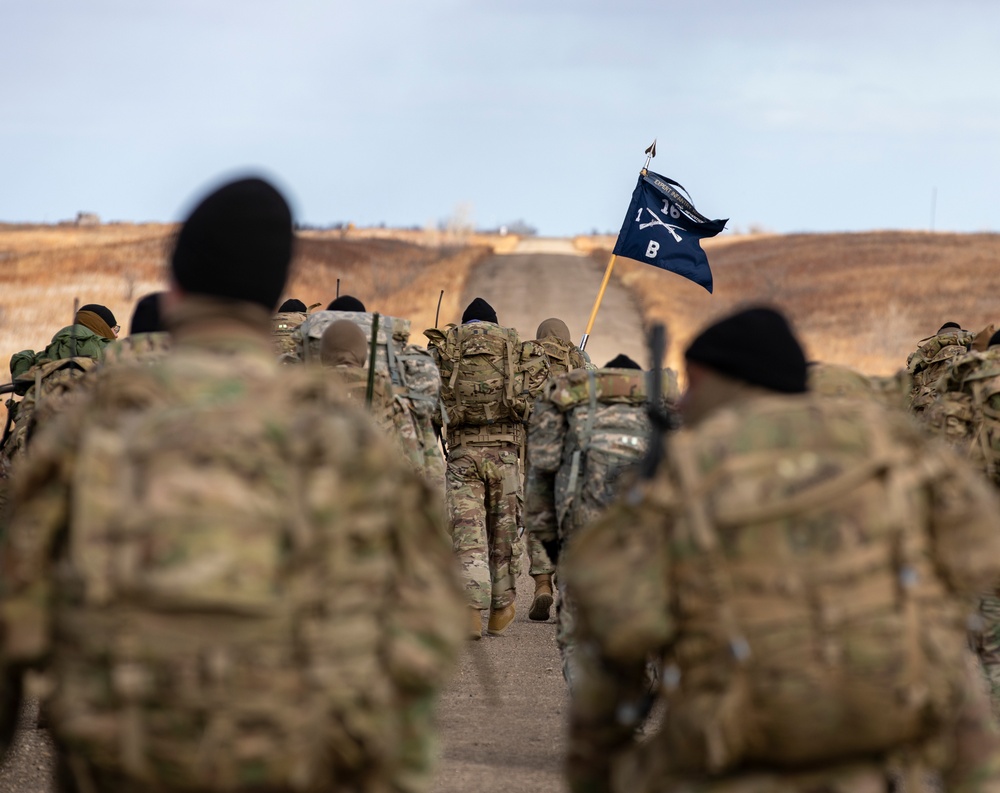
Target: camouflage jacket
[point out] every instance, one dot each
(930, 360)
(210, 522)
(72, 341)
(966, 410)
(768, 499)
(586, 430)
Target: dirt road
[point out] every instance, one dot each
(502, 721)
(548, 280)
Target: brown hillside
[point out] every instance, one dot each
(43, 269)
(857, 299)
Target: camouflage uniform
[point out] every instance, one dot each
(483, 480)
(801, 565)
(930, 360)
(966, 414)
(227, 578)
(563, 356)
(586, 430)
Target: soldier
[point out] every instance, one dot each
(800, 564)
(966, 414)
(49, 381)
(587, 429)
(416, 381)
(489, 379)
(289, 316)
(930, 360)
(223, 573)
(563, 355)
(344, 349)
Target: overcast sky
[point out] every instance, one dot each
(782, 115)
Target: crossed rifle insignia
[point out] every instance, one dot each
(657, 222)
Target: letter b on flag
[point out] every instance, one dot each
(652, 249)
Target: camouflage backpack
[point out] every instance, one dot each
(233, 609)
(812, 623)
(562, 355)
(930, 360)
(487, 374)
(608, 433)
(48, 388)
(967, 410)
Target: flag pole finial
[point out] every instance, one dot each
(650, 153)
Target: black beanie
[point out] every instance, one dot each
(346, 303)
(481, 310)
(621, 361)
(291, 305)
(146, 317)
(237, 243)
(756, 346)
(994, 339)
(102, 311)
(949, 325)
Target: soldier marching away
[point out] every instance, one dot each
(588, 430)
(222, 571)
(563, 355)
(804, 567)
(489, 380)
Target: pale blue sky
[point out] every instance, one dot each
(790, 116)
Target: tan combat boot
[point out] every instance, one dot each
(500, 619)
(543, 598)
(475, 623)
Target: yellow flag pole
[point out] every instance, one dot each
(597, 303)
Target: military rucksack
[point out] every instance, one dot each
(48, 389)
(608, 433)
(930, 360)
(562, 355)
(812, 624)
(967, 410)
(487, 374)
(231, 587)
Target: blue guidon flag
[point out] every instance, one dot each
(663, 228)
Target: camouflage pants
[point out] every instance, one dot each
(989, 649)
(483, 487)
(538, 510)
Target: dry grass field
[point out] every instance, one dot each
(858, 299)
(43, 269)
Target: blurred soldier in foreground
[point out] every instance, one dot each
(489, 381)
(226, 577)
(563, 356)
(587, 429)
(804, 567)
